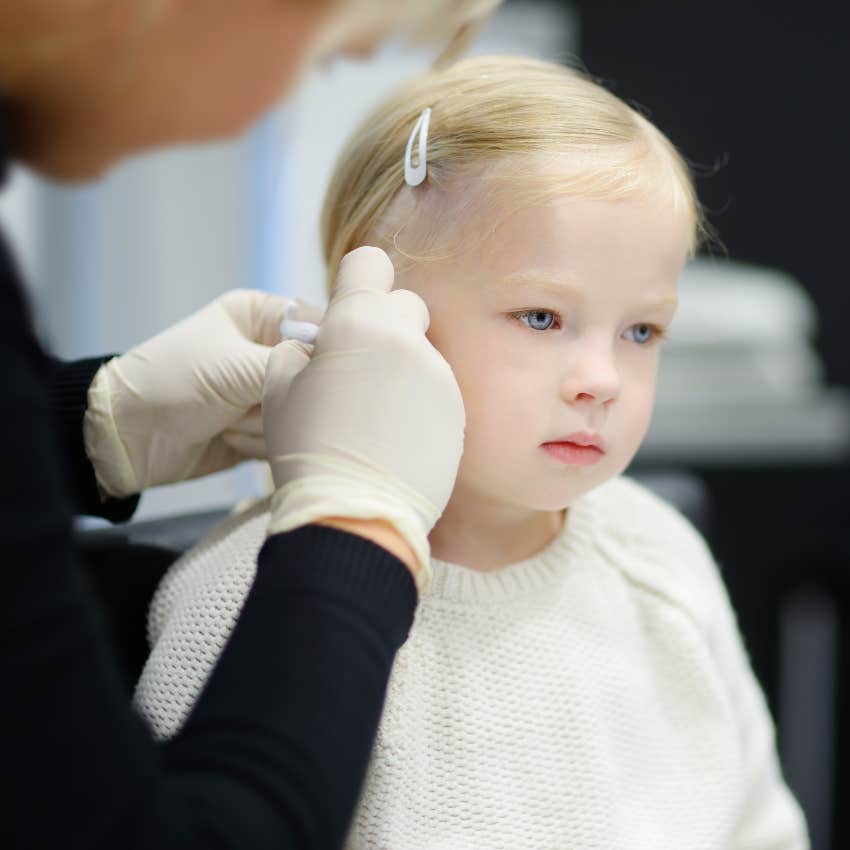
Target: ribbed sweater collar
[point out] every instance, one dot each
(462, 584)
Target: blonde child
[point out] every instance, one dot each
(574, 677)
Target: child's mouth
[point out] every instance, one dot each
(573, 453)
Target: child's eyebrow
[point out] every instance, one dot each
(540, 279)
(563, 286)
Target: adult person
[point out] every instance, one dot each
(275, 753)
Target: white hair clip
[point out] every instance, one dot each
(414, 176)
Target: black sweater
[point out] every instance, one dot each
(274, 753)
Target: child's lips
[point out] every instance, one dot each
(573, 453)
(582, 438)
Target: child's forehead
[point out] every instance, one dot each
(516, 234)
(577, 249)
(510, 217)
(483, 204)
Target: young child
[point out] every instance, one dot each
(574, 677)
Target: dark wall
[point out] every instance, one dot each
(764, 88)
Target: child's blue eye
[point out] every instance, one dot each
(537, 320)
(643, 334)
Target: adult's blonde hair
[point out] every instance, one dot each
(498, 121)
(454, 23)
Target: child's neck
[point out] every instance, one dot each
(487, 536)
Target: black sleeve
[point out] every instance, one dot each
(68, 386)
(274, 753)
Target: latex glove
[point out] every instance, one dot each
(185, 403)
(372, 427)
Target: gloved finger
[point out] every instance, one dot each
(413, 306)
(251, 423)
(304, 311)
(364, 269)
(218, 455)
(285, 362)
(269, 313)
(247, 445)
(241, 377)
(257, 314)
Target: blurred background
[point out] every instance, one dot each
(751, 435)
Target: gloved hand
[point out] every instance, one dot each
(185, 403)
(372, 427)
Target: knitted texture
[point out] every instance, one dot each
(596, 695)
(192, 614)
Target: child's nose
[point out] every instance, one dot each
(592, 377)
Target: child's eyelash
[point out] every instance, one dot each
(659, 333)
(520, 314)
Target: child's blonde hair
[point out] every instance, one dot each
(493, 119)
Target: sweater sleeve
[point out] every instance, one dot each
(67, 392)
(771, 818)
(275, 752)
(679, 565)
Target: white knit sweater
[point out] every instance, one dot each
(594, 696)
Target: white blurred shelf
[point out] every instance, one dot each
(813, 430)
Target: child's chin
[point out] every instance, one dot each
(564, 496)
